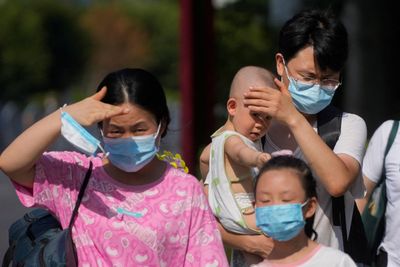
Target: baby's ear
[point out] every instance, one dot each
(231, 106)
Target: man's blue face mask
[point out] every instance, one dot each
(309, 98)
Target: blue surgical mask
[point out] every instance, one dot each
(133, 153)
(309, 98)
(74, 133)
(281, 222)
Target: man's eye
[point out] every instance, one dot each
(308, 79)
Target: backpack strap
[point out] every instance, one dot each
(8, 256)
(392, 136)
(329, 122)
(80, 195)
(329, 125)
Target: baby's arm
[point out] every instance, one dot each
(205, 161)
(18, 160)
(244, 155)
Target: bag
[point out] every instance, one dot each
(373, 216)
(329, 125)
(37, 239)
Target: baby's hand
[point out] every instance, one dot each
(262, 158)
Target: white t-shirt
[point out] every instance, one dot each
(351, 142)
(372, 168)
(320, 256)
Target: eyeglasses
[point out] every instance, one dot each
(325, 84)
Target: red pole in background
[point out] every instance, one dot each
(186, 82)
(196, 78)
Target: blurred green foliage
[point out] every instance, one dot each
(42, 48)
(48, 45)
(243, 37)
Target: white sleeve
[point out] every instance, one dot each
(352, 140)
(373, 160)
(353, 136)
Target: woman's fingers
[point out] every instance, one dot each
(100, 94)
(112, 110)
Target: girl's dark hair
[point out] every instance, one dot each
(320, 29)
(306, 178)
(138, 87)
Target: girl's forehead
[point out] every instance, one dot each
(279, 179)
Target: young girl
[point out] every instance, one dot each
(285, 202)
(137, 210)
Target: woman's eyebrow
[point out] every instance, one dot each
(114, 126)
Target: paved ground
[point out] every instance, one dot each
(10, 210)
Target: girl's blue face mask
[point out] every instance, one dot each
(281, 222)
(133, 153)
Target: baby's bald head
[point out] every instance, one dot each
(250, 76)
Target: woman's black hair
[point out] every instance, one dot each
(138, 87)
(306, 178)
(320, 29)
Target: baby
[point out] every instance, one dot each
(235, 155)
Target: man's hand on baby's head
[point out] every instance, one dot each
(262, 158)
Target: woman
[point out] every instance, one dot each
(137, 210)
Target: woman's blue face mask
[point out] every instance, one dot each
(132, 153)
(128, 154)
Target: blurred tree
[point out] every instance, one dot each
(117, 40)
(42, 48)
(134, 34)
(243, 37)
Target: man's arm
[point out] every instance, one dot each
(341, 171)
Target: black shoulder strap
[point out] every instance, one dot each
(329, 125)
(329, 122)
(80, 195)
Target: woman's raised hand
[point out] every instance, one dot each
(91, 110)
(271, 102)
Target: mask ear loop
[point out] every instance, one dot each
(105, 154)
(305, 203)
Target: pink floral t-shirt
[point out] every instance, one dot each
(164, 223)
